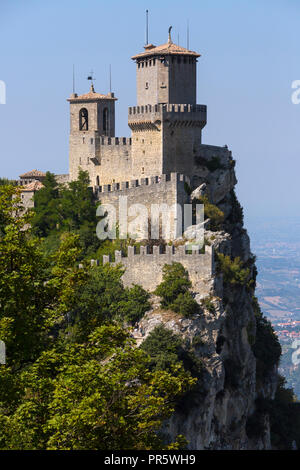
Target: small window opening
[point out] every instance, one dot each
(83, 120)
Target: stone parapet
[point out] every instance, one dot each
(121, 186)
(200, 266)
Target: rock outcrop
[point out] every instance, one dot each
(215, 415)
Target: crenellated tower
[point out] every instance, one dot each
(166, 124)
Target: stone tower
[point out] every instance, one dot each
(166, 124)
(91, 115)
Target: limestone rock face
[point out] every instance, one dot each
(214, 415)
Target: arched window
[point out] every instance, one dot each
(97, 181)
(83, 120)
(105, 120)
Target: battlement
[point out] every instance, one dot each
(147, 117)
(167, 108)
(172, 177)
(199, 265)
(104, 140)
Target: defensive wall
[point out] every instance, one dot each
(200, 266)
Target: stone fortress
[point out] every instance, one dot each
(166, 124)
(163, 156)
(165, 161)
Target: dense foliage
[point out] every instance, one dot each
(285, 418)
(73, 377)
(213, 164)
(174, 290)
(167, 349)
(213, 213)
(66, 208)
(233, 271)
(266, 347)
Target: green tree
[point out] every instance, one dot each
(163, 346)
(233, 271)
(24, 294)
(78, 204)
(102, 298)
(212, 212)
(266, 347)
(47, 216)
(174, 290)
(284, 417)
(5, 182)
(11, 208)
(98, 395)
(167, 349)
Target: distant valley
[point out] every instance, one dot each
(276, 243)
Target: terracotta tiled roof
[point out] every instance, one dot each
(92, 95)
(32, 174)
(34, 186)
(165, 49)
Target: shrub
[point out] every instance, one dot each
(175, 281)
(198, 341)
(284, 418)
(174, 292)
(212, 165)
(212, 212)
(208, 304)
(266, 347)
(284, 414)
(166, 349)
(233, 271)
(136, 304)
(215, 164)
(102, 298)
(236, 215)
(185, 305)
(163, 347)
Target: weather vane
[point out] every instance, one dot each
(91, 77)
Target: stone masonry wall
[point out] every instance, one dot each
(108, 158)
(199, 265)
(165, 137)
(168, 80)
(163, 189)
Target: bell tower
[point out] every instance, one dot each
(91, 115)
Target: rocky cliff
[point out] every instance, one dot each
(222, 411)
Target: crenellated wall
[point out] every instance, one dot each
(164, 189)
(107, 159)
(199, 265)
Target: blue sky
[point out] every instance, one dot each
(250, 56)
